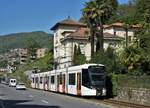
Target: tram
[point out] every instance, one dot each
(81, 80)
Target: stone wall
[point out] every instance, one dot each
(135, 95)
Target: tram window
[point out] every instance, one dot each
(72, 79)
(52, 80)
(60, 82)
(85, 78)
(41, 78)
(36, 80)
(32, 80)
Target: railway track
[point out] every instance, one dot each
(125, 104)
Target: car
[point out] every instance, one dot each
(12, 82)
(20, 86)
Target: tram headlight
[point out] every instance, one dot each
(104, 91)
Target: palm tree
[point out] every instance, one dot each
(88, 12)
(126, 27)
(96, 13)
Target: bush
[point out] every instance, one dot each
(109, 59)
(112, 85)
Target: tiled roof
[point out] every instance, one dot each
(111, 36)
(119, 24)
(81, 34)
(68, 21)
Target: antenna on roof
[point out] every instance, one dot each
(68, 16)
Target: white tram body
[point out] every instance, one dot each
(82, 80)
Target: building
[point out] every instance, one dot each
(63, 51)
(4, 70)
(68, 33)
(119, 29)
(23, 55)
(40, 52)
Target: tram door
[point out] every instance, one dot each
(79, 84)
(34, 80)
(47, 82)
(38, 82)
(44, 83)
(63, 83)
(58, 83)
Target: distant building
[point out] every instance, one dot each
(23, 55)
(40, 52)
(68, 33)
(118, 29)
(3, 70)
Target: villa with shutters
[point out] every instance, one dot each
(68, 33)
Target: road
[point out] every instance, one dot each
(12, 98)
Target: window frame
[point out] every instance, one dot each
(52, 79)
(72, 79)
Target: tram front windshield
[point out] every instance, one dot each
(97, 75)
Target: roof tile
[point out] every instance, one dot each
(68, 21)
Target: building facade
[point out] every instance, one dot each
(40, 52)
(63, 51)
(23, 54)
(69, 33)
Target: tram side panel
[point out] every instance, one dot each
(41, 82)
(46, 82)
(52, 85)
(52, 82)
(72, 84)
(73, 81)
(33, 82)
(61, 81)
(37, 82)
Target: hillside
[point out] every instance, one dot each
(19, 40)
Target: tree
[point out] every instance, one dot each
(88, 19)
(3, 63)
(126, 26)
(125, 13)
(143, 9)
(74, 55)
(108, 58)
(45, 63)
(78, 57)
(96, 13)
(136, 57)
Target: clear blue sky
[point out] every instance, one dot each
(37, 15)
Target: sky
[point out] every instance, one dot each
(37, 15)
